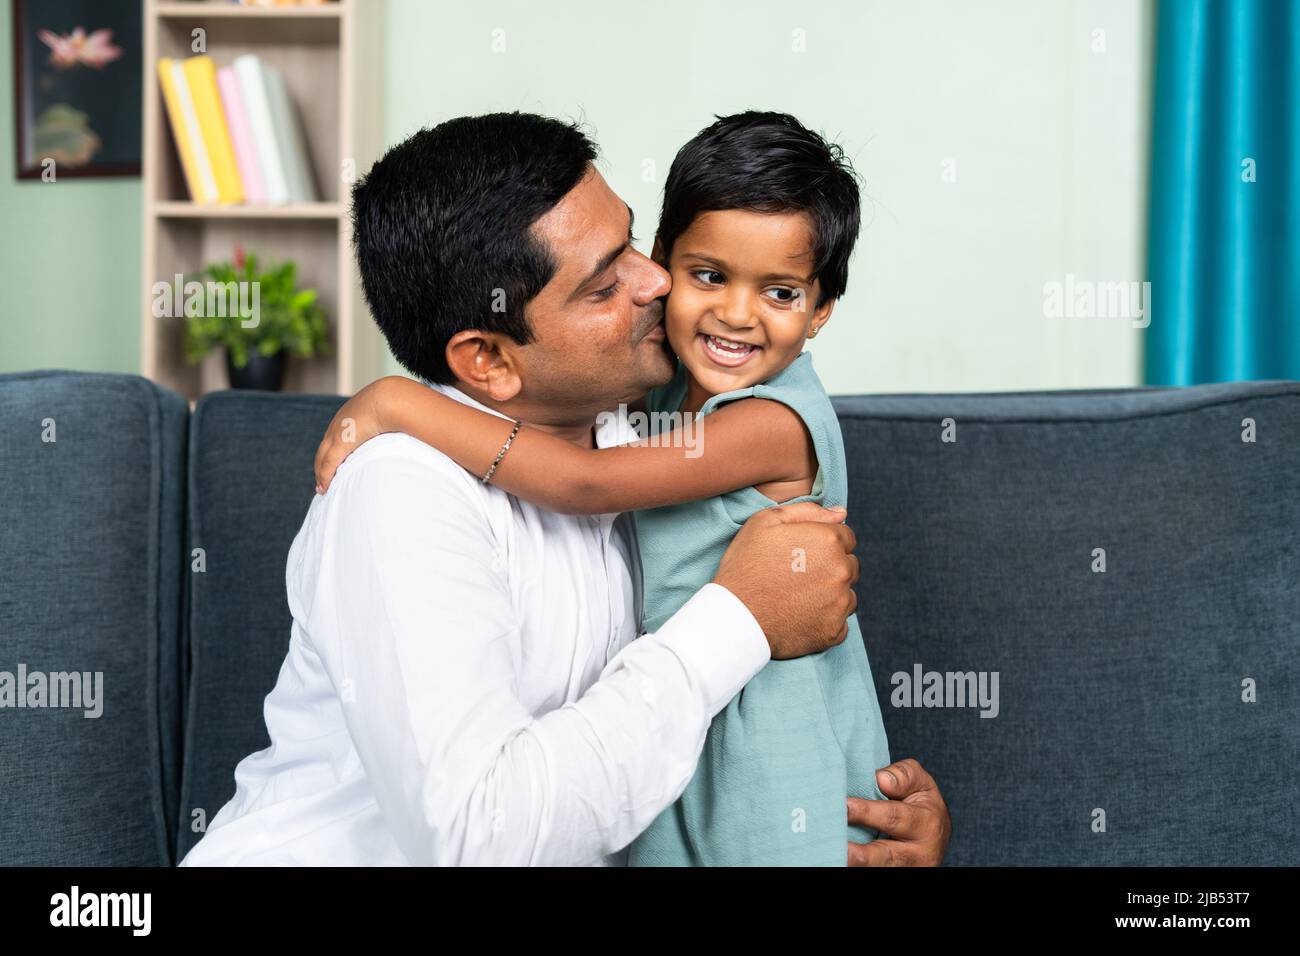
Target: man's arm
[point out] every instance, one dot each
(420, 638)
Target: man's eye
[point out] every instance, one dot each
(708, 276)
(606, 292)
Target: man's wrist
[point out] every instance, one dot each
(719, 641)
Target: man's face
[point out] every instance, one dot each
(598, 324)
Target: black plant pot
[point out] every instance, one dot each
(262, 372)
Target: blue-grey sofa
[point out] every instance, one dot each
(1127, 563)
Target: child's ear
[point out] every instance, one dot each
(821, 315)
(657, 253)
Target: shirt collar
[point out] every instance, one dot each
(612, 428)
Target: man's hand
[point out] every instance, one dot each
(914, 816)
(794, 568)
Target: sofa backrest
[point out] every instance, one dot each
(1124, 694)
(1147, 713)
(91, 495)
(250, 484)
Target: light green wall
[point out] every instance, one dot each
(1043, 132)
(69, 259)
(1043, 126)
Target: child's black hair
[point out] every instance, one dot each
(770, 163)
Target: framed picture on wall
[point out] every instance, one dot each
(77, 87)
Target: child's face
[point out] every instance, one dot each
(742, 277)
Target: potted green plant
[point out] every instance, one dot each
(266, 316)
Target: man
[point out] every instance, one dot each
(465, 682)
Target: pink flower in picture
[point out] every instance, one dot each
(95, 50)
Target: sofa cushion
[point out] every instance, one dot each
(90, 578)
(250, 484)
(1121, 692)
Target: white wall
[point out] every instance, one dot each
(1047, 135)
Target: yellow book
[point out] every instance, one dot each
(201, 73)
(195, 177)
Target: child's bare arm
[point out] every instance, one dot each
(397, 404)
(744, 443)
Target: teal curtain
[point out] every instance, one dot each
(1224, 243)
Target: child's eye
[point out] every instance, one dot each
(783, 295)
(707, 276)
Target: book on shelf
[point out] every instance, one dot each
(237, 132)
(252, 86)
(288, 132)
(185, 131)
(201, 75)
(241, 137)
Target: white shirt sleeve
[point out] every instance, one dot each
(414, 622)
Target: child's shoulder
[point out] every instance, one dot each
(798, 386)
(799, 375)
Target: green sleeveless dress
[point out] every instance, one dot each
(803, 734)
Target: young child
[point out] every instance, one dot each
(759, 218)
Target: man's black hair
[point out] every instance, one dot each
(770, 163)
(441, 229)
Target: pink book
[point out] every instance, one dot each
(232, 104)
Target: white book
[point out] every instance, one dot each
(252, 86)
(207, 180)
(288, 129)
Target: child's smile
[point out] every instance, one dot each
(743, 299)
(727, 352)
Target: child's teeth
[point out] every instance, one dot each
(727, 344)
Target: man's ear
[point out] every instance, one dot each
(486, 362)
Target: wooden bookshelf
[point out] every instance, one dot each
(225, 8)
(328, 55)
(167, 209)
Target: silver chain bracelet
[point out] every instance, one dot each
(501, 454)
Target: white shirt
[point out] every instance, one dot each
(464, 684)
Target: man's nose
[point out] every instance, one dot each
(654, 282)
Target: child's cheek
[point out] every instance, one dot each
(679, 321)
